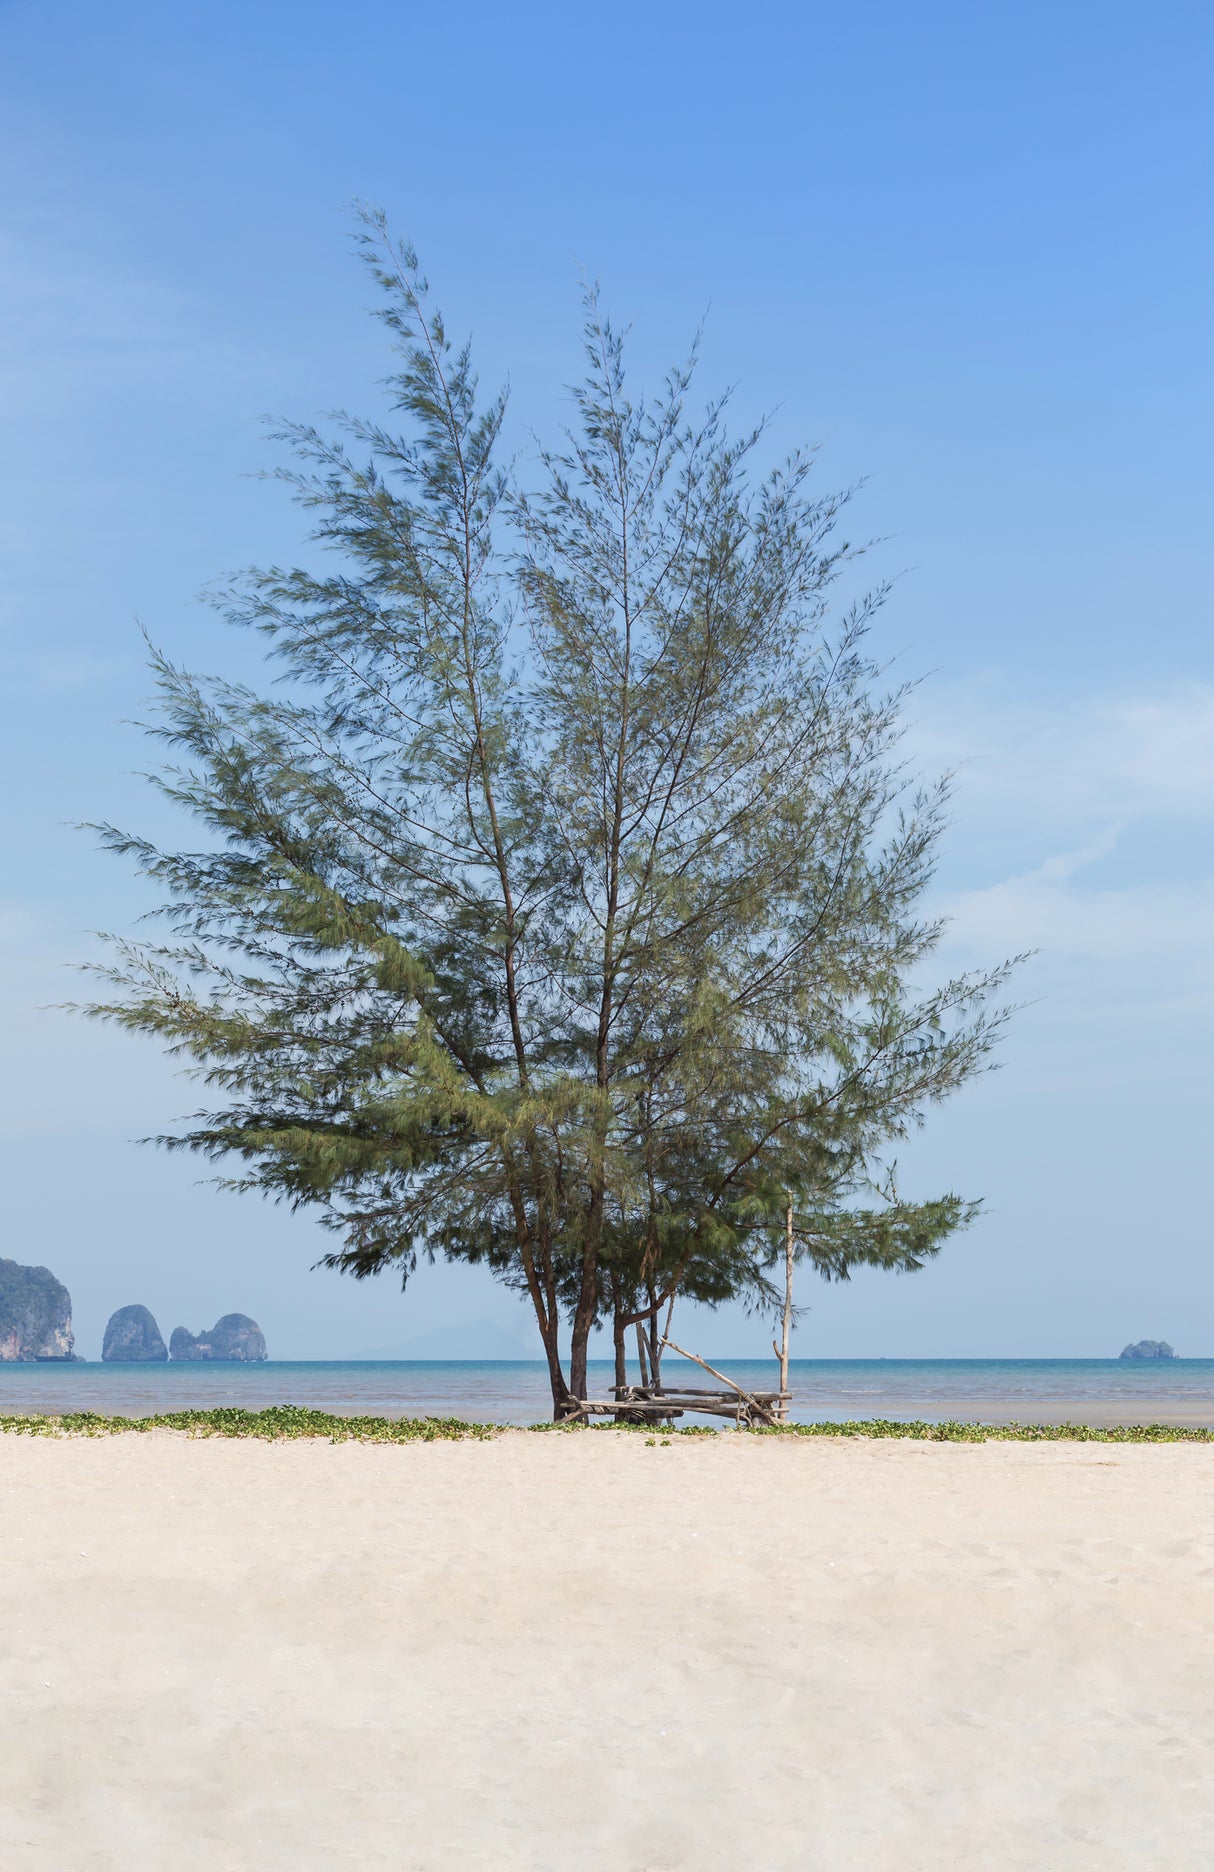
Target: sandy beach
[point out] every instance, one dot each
(583, 1652)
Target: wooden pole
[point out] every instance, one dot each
(644, 1363)
(781, 1351)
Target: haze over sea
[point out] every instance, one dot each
(515, 1391)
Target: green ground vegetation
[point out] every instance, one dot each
(292, 1420)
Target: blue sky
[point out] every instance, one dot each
(965, 248)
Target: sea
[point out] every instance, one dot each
(1101, 1392)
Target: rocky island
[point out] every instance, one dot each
(1148, 1349)
(235, 1336)
(133, 1336)
(35, 1315)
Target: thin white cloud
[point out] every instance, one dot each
(1156, 927)
(1059, 791)
(1098, 760)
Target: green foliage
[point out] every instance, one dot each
(559, 910)
(996, 1433)
(275, 1423)
(293, 1420)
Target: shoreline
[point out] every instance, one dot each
(1096, 1394)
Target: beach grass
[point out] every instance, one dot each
(294, 1420)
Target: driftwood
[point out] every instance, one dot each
(671, 1404)
(620, 1407)
(643, 1394)
(752, 1407)
(655, 1402)
(645, 1403)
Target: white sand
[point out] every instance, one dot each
(582, 1653)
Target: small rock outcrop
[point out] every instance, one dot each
(35, 1314)
(1149, 1348)
(133, 1336)
(235, 1336)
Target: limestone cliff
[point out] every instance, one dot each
(235, 1336)
(35, 1314)
(133, 1335)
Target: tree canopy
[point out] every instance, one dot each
(561, 906)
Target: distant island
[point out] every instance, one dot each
(1148, 1349)
(35, 1315)
(36, 1326)
(133, 1337)
(234, 1337)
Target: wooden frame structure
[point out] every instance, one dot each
(656, 1404)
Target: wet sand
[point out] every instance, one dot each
(583, 1652)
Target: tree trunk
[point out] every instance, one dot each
(556, 1377)
(583, 1319)
(619, 1330)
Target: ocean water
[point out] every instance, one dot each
(515, 1391)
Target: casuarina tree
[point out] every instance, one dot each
(560, 907)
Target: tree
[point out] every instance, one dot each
(560, 909)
